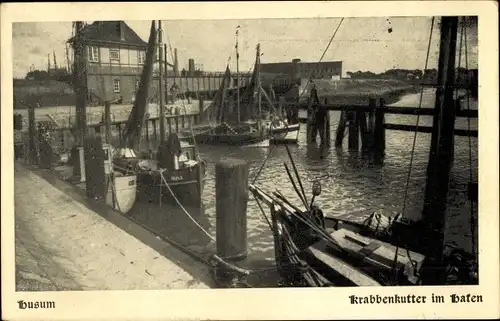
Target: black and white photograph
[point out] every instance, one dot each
(248, 153)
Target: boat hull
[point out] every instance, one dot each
(184, 185)
(230, 139)
(122, 193)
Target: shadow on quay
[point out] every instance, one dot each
(196, 268)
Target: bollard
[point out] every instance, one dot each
(231, 192)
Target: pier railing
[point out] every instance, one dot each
(382, 110)
(63, 137)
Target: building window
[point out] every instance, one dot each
(93, 53)
(114, 54)
(142, 57)
(116, 85)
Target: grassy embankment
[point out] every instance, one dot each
(359, 91)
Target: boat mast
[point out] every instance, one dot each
(161, 91)
(441, 152)
(237, 75)
(257, 76)
(80, 90)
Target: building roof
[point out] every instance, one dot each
(289, 67)
(116, 32)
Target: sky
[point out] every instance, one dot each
(361, 43)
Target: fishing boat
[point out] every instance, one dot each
(175, 172)
(284, 133)
(315, 250)
(160, 181)
(235, 116)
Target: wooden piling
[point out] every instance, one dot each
(353, 139)
(379, 130)
(372, 104)
(361, 117)
(32, 153)
(339, 137)
(231, 182)
(107, 120)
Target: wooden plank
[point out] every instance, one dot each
(410, 110)
(428, 129)
(347, 271)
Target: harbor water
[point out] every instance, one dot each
(352, 187)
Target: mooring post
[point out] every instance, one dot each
(231, 192)
(353, 140)
(95, 176)
(361, 117)
(32, 154)
(379, 131)
(327, 128)
(372, 103)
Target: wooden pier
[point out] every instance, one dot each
(366, 123)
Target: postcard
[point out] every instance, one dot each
(250, 160)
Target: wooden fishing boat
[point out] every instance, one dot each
(183, 182)
(243, 134)
(282, 133)
(175, 173)
(312, 250)
(235, 116)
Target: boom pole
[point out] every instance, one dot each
(237, 75)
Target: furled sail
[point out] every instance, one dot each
(213, 112)
(137, 115)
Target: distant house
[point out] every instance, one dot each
(115, 56)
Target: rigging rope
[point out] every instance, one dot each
(472, 219)
(182, 207)
(413, 150)
(323, 55)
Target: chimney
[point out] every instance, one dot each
(121, 30)
(191, 67)
(48, 63)
(176, 63)
(55, 61)
(296, 67)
